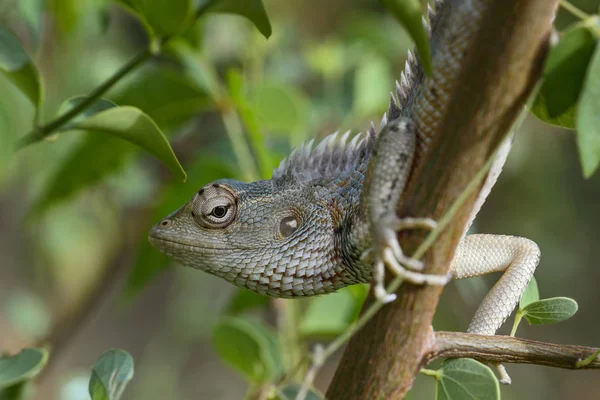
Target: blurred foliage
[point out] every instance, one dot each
(232, 105)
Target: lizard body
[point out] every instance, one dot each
(327, 217)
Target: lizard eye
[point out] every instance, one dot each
(214, 206)
(219, 211)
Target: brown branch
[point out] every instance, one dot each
(482, 80)
(506, 349)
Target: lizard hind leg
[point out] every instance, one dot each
(480, 254)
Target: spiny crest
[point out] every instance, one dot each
(333, 156)
(412, 74)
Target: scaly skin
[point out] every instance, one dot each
(326, 219)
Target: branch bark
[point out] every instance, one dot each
(487, 56)
(507, 349)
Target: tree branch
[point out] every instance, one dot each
(507, 349)
(487, 56)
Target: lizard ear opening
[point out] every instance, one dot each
(288, 225)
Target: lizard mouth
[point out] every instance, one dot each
(161, 242)
(167, 244)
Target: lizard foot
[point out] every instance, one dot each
(388, 253)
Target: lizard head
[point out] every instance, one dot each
(251, 234)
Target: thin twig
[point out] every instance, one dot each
(573, 10)
(506, 349)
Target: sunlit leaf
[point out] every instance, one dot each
(588, 119)
(371, 82)
(31, 12)
(254, 10)
(279, 108)
(21, 367)
(149, 261)
(165, 17)
(564, 120)
(550, 311)
(408, 12)
(565, 70)
(466, 379)
(250, 120)
(359, 292)
(290, 391)
(133, 125)
(110, 375)
(67, 14)
(328, 315)
(244, 300)
(530, 294)
(18, 67)
(248, 346)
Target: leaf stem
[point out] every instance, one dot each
(588, 360)
(518, 318)
(430, 372)
(573, 10)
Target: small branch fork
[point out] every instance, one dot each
(506, 349)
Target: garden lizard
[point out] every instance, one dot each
(326, 219)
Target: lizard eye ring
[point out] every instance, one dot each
(214, 207)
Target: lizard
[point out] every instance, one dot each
(326, 219)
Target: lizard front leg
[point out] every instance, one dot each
(387, 174)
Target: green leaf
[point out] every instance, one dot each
(248, 346)
(110, 375)
(91, 160)
(565, 69)
(530, 294)
(464, 379)
(244, 300)
(131, 124)
(97, 155)
(167, 96)
(279, 108)
(539, 108)
(165, 17)
(16, 392)
(18, 67)
(96, 107)
(149, 262)
(290, 391)
(235, 85)
(550, 311)
(31, 12)
(371, 79)
(254, 10)
(408, 12)
(22, 367)
(328, 315)
(588, 119)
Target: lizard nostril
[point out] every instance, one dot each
(165, 223)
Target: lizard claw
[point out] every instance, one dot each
(388, 253)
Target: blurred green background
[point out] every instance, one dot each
(75, 212)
